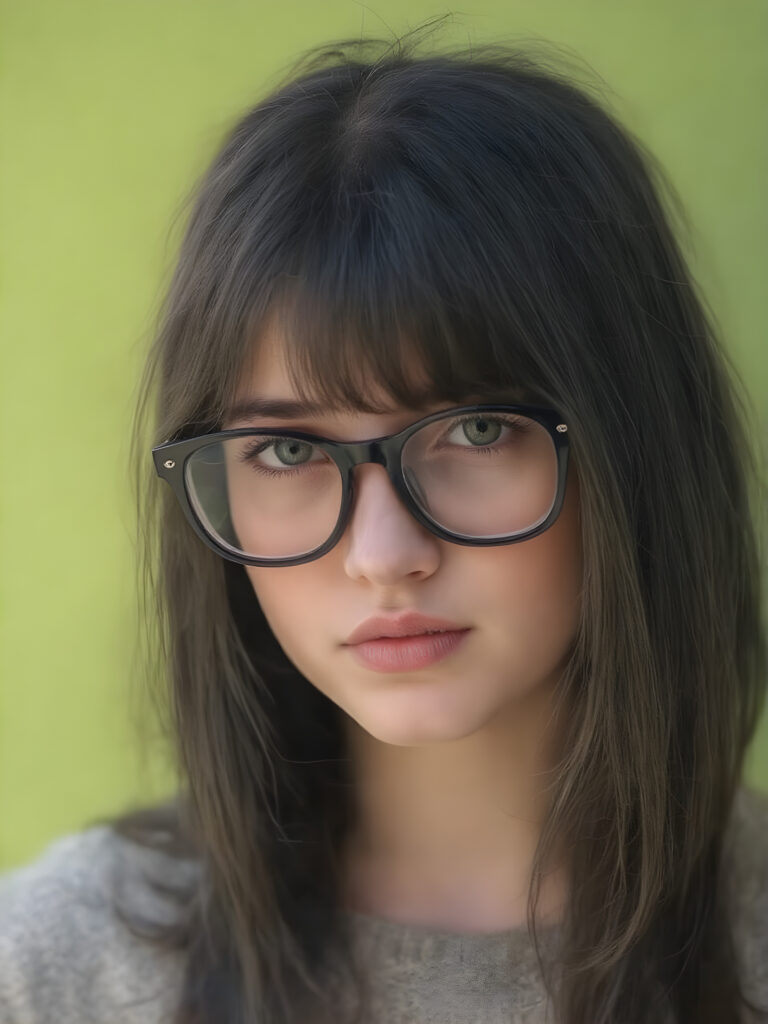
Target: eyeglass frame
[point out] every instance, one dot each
(171, 457)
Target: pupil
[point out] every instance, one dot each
(292, 452)
(479, 431)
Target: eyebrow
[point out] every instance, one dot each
(273, 408)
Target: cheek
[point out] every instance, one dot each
(289, 598)
(531, 592)
(538, 582)
(274, 591)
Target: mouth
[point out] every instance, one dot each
(409, 652)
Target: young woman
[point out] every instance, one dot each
(457, 581)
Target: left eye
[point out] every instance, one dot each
(480, 430)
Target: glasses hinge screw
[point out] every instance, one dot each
(169, 463)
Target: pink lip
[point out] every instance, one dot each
(407, 624)
(407, 653)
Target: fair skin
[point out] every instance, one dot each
(451, 761)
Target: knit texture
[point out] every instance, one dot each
(66, 959)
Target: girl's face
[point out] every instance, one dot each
(519, 602)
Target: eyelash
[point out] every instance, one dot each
(512, 423)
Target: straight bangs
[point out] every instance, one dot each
(379, 309)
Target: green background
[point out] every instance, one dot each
(110, 111)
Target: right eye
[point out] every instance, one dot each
(280, 454)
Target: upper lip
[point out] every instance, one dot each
(406, 624)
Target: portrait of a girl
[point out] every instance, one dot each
(449, 520)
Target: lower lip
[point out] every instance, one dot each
(408, 653)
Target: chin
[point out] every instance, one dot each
(417, 730)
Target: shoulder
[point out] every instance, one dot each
(746, 861)
(66, 955)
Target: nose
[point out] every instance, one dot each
(383, 542)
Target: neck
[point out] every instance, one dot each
(446, 833)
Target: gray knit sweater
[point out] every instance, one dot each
(65, 959)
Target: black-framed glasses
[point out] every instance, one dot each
(475, 475)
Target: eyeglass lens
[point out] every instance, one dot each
(479, 475)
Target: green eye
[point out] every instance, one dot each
(292, 452)
(481, 430)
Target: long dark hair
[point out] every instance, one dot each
(479, 209)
